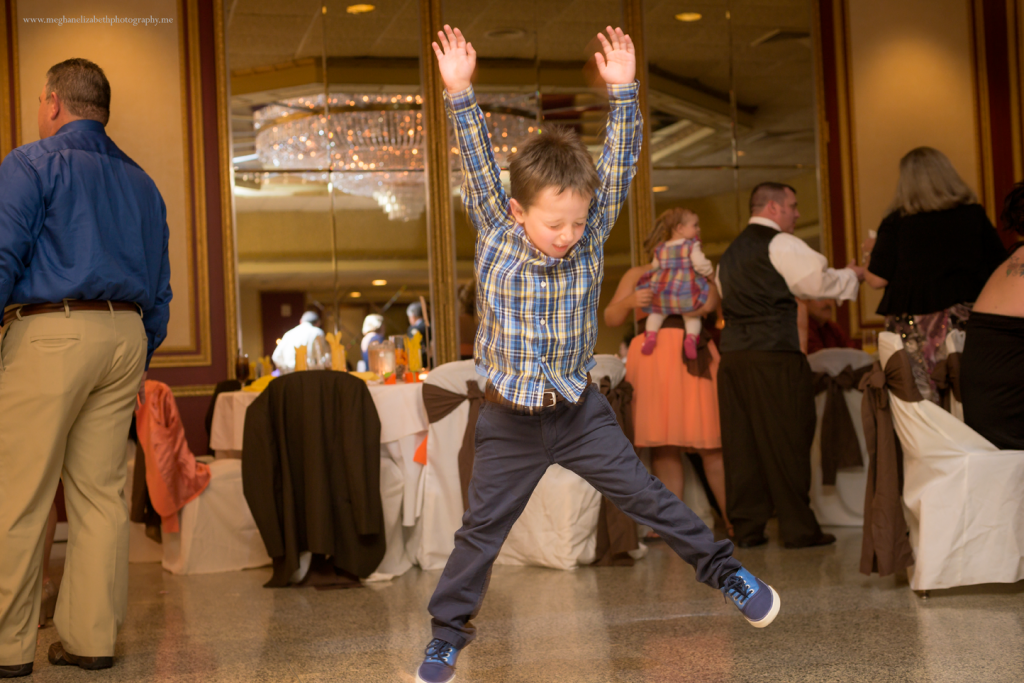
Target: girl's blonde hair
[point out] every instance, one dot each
(928, 182)
(664, 226)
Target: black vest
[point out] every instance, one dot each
(760, 311)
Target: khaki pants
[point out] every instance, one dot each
(67, 392)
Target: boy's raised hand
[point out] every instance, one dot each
(618, 63)
(457, 59)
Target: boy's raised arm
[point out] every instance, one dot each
(624, 132)
(482, 192)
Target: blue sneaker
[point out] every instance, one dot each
(439, 664)
(756, 600)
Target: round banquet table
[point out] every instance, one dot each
(403, 427)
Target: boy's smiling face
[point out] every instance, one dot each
(555, 220)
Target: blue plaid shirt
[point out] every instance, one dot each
(538, 314)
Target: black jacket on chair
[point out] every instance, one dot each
(311, 472)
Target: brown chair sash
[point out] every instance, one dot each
(885, 547)
(616, 532)
(946, 376)
(440, 403)
(839, 446)
(700, 366)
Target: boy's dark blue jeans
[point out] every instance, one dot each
(513, 450)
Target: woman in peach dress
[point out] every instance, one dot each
(674, 411)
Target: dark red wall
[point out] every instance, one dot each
(274, 323)
(193, 409)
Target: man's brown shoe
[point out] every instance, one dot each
(820, 539)
(58, 657)
(16, 671)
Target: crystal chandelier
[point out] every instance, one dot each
(373, 144)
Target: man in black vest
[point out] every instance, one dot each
(765, 393)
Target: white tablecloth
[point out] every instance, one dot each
(400, 407)
(403, 426)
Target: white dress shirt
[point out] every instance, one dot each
(806, 271)
(301, 335)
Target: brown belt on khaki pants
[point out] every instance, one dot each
(66, 307)
(551, 399)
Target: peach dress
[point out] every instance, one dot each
(671, 407)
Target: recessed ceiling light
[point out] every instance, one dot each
(355, 295)
(689, 16)
(660, 188)
(359, 9)
(379, 283)
(741, 153)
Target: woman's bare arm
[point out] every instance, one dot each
(874, 281)
(625, 298)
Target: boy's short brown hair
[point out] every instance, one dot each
(557, 158)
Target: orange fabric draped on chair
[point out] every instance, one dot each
(173, 476)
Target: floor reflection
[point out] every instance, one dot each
(649, 623)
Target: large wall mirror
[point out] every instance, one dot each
(732, 105)
(328, 153)
(329, 142)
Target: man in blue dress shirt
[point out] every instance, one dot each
(84, 282)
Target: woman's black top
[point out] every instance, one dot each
(936, 259)
(992, 378)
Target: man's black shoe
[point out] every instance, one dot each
(752, 542)
(16, 671)
(58, 657)
(820, 539)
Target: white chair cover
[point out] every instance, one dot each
(557, 529)
(403, 426)
(608, 366)
(218, 533)
(842, 504)
(141, 548)
(440, 499)
(400, 481)
(963, 498)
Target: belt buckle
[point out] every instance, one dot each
(549, 400)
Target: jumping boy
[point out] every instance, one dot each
(539, 266)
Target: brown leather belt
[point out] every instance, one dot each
(35, 309)
(551, 399)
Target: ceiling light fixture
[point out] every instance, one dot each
(358, 9)
(355, 295)
(689, 16)
(660, 188)
(379, 283)
(375, 142)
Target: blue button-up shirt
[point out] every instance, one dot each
(80, 220)
(538, 313)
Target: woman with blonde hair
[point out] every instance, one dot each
(675, 400)
(934, 252)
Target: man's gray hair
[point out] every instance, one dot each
(768, 192)
(414, 310)
(311, 317)
(82, 87)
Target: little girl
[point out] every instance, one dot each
(678, 278)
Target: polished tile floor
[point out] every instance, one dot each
(648, 623)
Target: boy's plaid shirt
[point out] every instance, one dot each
(538, 314)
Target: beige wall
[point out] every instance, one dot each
(252, 322)
(144, 67)
(911, 82)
